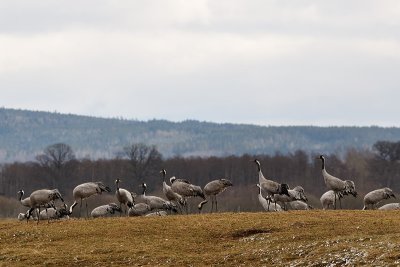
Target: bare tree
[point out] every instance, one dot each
(386, 150)
(55, 159)
(144, 160)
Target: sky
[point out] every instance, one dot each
(264, 62)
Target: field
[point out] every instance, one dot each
(298, 238)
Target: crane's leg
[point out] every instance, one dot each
(186, 208)
(212, 204)
(38, 218)
(216, 204)
(335, 201)
(179, 207)
(48, 219)
(340, 203)
(80, 208)
(29, 214)
(87, 212)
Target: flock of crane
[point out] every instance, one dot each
(177, 193)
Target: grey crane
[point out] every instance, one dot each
(154, 202)
(265, 203)
(105, 210)
(186, 189)
(42, 197)
(22, 216)
(390, 206)
(85, 190)
(299, 205)
(215, 187)
(269, 186)
(124, 197)
(296, 193)
(328, 199)
(55, 213)
(374, 197)
(336, 184)
(138, 209)
(158, 213)
(170, 194)
(27, 203)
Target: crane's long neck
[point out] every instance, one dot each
(72, 207)
(144, 191)
(20, 195)
(261, 178)
(258, 166)
(117, 183)
(323, 163)
(259, 190)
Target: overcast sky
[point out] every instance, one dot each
(260, 62)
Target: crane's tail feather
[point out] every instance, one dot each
(103, 187)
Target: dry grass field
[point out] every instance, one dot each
(301, 238)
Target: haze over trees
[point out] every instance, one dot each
(24, 134)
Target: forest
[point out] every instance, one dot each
(58, 167)
(24, 133)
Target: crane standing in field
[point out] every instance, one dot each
(170, 194)
(42, 197)
(85, 190)
(155, 202)
(186, 189)
(269, 186)
(265, 203)
(213, 188)
(124, 197)
(336, 184)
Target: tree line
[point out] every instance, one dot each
(23, 134)
(58, 167)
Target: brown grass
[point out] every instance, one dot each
(302, 238)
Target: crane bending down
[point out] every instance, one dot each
(186, 189)
(85, 190)
(269, 186)
(336, 184)
(374, 197)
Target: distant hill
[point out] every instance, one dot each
(24, 134)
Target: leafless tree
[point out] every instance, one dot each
(56, 160)
(144, 160)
